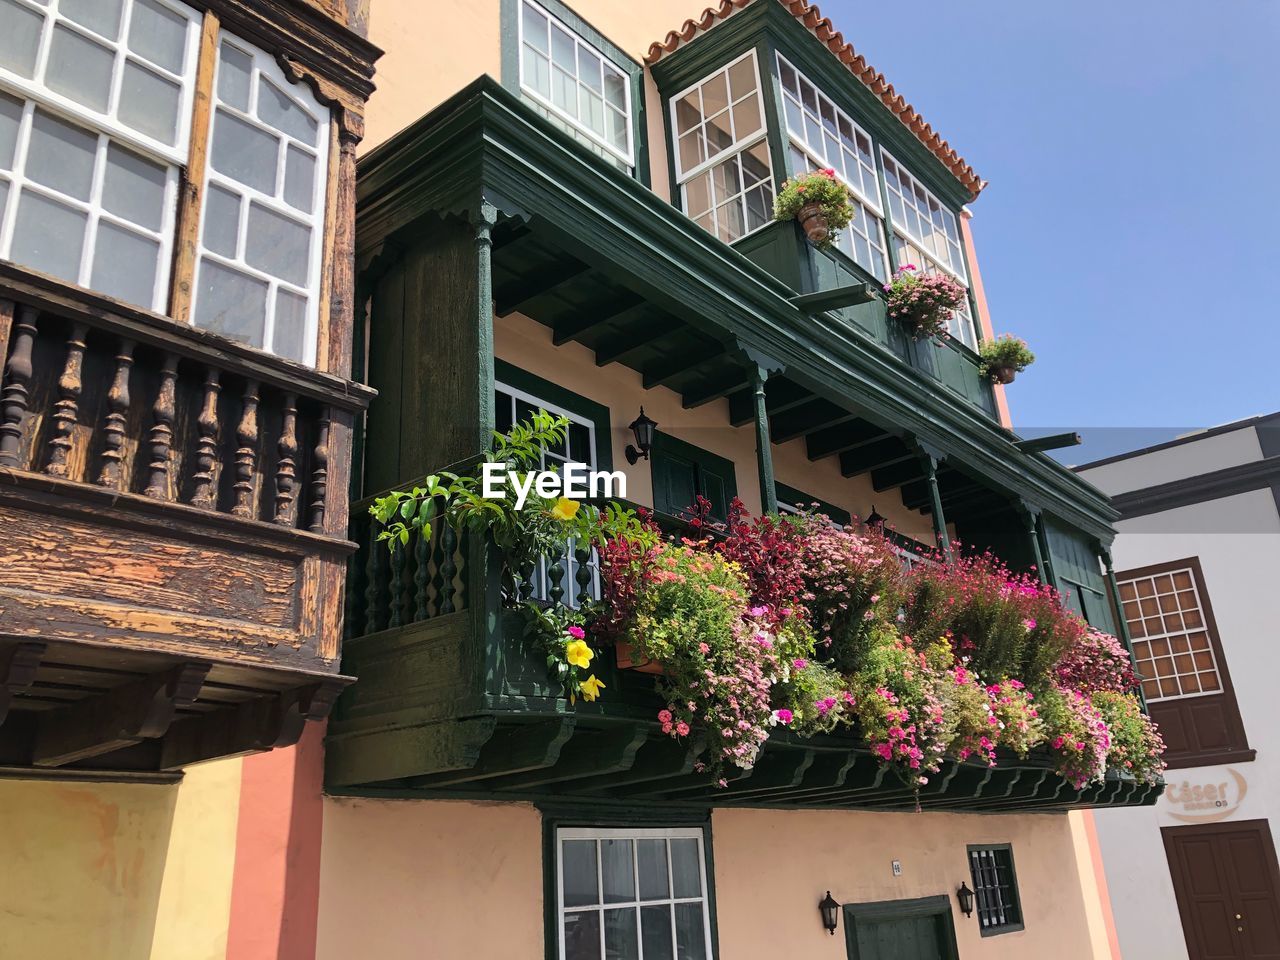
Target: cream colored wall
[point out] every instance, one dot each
(527, 344)
(118, 871)
(445, 880)
(787, 860)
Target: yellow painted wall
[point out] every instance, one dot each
(444, 880)
(455, 880)
(118, 871)
(527, 344)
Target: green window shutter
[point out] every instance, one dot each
(682, 472)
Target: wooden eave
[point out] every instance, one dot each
(484, 148)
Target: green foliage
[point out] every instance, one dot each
(1135, 743)
(1005, 350)
(821, 188)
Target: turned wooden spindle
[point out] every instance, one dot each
(66, 409)
(286, 468)
(448, 566)
(17, 381)
(246, 452)
(320, 476)
(114, 423)
(421, 577)
(204, 494)
(160, 440)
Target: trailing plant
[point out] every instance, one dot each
(1014, 707)
(561, 633)
(923, 301)
(822, 189)
(769, 550)
(1077, 734)
(1005, 351)
(812, 698)
(1096, 662)
(1136, 744)
(976, 729)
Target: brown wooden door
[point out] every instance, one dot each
(1227, 883)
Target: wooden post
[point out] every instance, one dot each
(161, 438)
(1029, 515)
(17, 383)
(65, 410)
(485, 220)
(1122, 623)
(286, 469)
(929, 460)
(320, 475)
(205, 494)
(246, 452)
(764, 445)
(113, 425)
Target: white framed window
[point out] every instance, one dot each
(512, 406)
(926, 234)
(722, 152)
(632, 894)
(262, 225)
(575, 81)
(822, 136)
(94, 96)
(1170, 634)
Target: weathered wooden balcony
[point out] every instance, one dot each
(452, 700)
(173, 513)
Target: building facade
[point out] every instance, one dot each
(558, 206)
(1199, 543)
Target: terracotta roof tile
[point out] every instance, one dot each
(822, 28)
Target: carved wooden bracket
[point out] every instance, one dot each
(142, 710)
(18, 667)
(347, 107)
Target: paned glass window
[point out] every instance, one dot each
(995, 889)
(926, 233)
(632, 894)
(1170, 637)
(722, 152)
(514, 406)
(575, 81)
(263, 220)
(824, 136)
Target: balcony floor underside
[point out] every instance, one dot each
(91, 711)
(590, 757)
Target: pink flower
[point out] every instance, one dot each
(704, 648)
(664, 716)
(576, 632)
(799, 663)
(682, 728)
(784, 716)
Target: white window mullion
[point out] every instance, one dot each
(95, 210)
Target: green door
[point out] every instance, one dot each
(901, 930)
(683, 472)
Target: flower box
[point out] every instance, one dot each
(629, 659)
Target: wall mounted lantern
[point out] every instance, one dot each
(965, 898)
(643, 428)
(830, 913)
(874, 520)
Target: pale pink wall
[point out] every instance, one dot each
(984, 312)
(772, 868)
(430, 880)
(527, 344)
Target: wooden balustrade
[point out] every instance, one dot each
(80, 401)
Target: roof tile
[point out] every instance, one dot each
(822, 28)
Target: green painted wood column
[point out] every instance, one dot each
(764, 444)
(1042, 541)
(484, 220)
(929, 459)
(1030, 516)
(1122, 624)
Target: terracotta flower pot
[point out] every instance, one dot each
(814, 221)
(1003, 374)
(628, 659)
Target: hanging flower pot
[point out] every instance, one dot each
(819, 202)
(1004, 358)
(629, 659)
(813, 218)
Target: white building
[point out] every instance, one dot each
(1198, 566)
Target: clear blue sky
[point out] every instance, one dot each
(1131, 229)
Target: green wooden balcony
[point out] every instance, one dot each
(451, 700)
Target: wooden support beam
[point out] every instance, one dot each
(256, 725)
(764, 441)
(590, 753)
(715, 388)
(889, 478)
(781, 395)
(512, 749)
(691, 785)
(826, 773)
(818, 414)
(775, 770)
(623, 309)
(834, 298)
(142, 710)
(631, 340)
(929, 460)
(519, 294)
(660, 758)
(880, 453)
(838, 439)
(968, 781)
(18, 665)
(1055, 441)
(671, 368)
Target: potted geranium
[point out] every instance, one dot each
(819, 201)
(1005, 357)
(923, 301)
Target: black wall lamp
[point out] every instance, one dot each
(643, 428)
(830, 913)
(964, 896)
(875, 520)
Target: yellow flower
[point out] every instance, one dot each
(565, 509)
(578, 653)
(591, 688)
